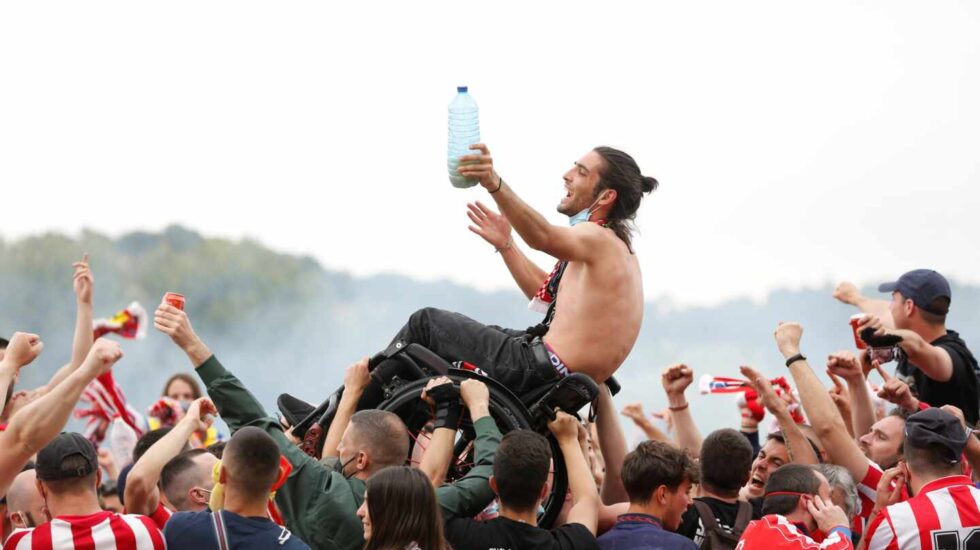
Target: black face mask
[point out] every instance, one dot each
(341, 466)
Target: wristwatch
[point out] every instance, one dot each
(795, 358)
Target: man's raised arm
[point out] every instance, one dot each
(819, 407)
(82, 283)
(496, 230)
(32, 427)
(933, 361)
(849, 294)
(580, 243)
(142, 490)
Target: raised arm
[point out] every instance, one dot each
(496, 230)
(933, 361)
(467, 496)
(356, 379)
(82, 283)
(612, 445)
(142, 490)
(842, 398)
(32, 427)
(848, 367)
(585, 499)
(849, 294)
(797, 445)
(579, 243)
(819, 407)
(634, 411)
(675, 380)
(443, 396)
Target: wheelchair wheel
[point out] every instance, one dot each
(506, 410)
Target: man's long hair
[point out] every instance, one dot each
(621, 173)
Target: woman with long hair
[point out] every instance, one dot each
(400, 512)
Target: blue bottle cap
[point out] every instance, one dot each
(461, 89)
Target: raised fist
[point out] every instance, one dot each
(103, 354)
(676, 379)
(23, 348)
(788, 337)
(847, 293)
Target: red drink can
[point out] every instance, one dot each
(174, 299)
(855, 320)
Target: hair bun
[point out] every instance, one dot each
(649, 184)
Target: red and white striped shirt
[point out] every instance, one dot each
(775, 532)
(944, 515)
(101, 531)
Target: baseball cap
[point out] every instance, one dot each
(67, 444)
(922, 286)
(936, 427)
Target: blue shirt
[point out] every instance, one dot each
(636, 531)
(195, 530)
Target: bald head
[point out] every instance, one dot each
(24, 503)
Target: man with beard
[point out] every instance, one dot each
(878, 449)
(597, 277)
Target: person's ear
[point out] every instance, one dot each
(98, 478)
(363, 461)
(660, 494)
(608, 197)
(197, 495)
(493, 485)
(545, 489)
(17, 520)
(40, 490)
(222, 475)
(909, 307)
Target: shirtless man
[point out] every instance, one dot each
(593, 326)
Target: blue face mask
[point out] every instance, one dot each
(582, 216)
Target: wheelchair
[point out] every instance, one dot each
(401, 395)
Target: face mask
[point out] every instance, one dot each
(582, 216)
(341, 466)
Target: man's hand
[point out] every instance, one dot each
(493, 227)
(845, 365)
(895, 391)
(634, 411)
(432, 383)
(676, 379)
(767, 395)
(476, 397)
(872, 322)
(83, 281)
(890, 486)
(175, 324)
(201, 414)
(357, 377)
(564, 426)
(23, 348)
(788, 337)
(839, 393)
(102, 356)
(826, 514)
(847, 293)
(480, 166)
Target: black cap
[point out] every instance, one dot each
(65, 445)
(936, 427)
(922, 286)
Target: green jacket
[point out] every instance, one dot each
(320, 505)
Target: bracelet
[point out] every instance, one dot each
(795, 358)
(499, 185)
(507, 245)
(679, 408)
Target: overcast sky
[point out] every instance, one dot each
(796, 143)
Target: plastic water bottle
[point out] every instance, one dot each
(464, 130)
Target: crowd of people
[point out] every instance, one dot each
(880, 460)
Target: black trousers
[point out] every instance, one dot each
(509, 356)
